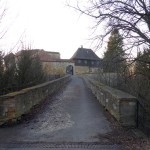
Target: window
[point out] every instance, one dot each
(79, 61)
(92, 62)
(85, 61)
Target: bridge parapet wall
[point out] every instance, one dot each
(121, 105)
(14, 105)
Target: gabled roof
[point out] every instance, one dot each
(84, 53)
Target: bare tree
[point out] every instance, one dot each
(1, 70)
(131, 17)
(3, 10)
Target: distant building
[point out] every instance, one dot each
(86, 61)
(55, 67)
(83, 61)
(51, 62)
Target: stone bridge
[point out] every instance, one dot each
(71, 118)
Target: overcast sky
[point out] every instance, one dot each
(46, 24)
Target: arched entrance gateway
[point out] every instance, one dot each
(69, 69)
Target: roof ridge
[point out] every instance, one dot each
(85, 53)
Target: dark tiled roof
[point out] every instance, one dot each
(84, 53)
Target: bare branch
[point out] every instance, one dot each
(132, 18)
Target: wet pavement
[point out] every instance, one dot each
(73, 115)
(72, 146)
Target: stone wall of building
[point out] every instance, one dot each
(59, 67)
(14, 105)
(56, 67)
(85, 69)
(121, 105)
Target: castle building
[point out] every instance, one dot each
(83, 61)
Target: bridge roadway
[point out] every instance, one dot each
(72, 118)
